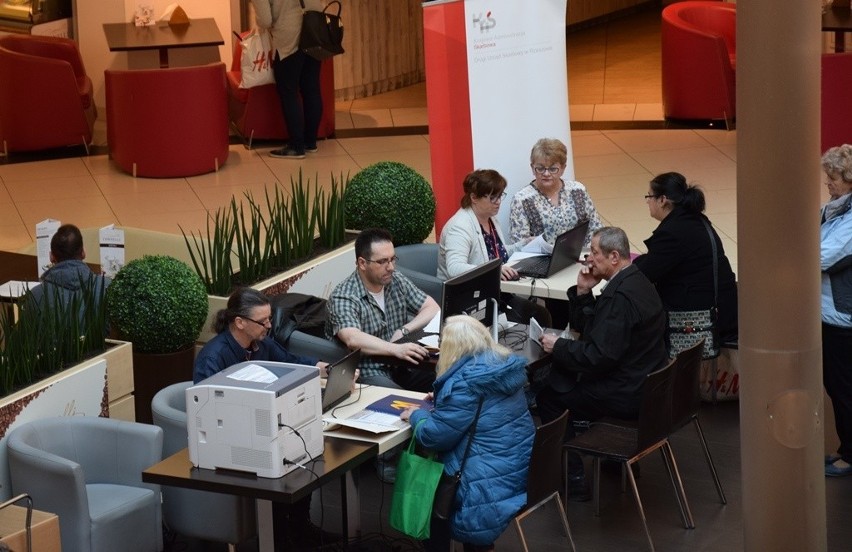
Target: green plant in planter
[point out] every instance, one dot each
(393, 196)
(158, 303)
(49, 336)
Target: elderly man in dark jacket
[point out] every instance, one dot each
(622, 341)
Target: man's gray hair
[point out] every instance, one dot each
(611, 238)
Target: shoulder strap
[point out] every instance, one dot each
(715, 262)
(472, 433)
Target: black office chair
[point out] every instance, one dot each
(545, 474)
(686, 402)
(614, 439)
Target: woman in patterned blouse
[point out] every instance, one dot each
(549, 205)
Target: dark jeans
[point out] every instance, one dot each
(837, 378)
(297, 78)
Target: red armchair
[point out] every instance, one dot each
(256, 112)
(836, 109)
(168, 122)
(699, 60)
(45, 96)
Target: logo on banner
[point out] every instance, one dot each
(485, 23)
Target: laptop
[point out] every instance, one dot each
(566, 251)
(338, 386)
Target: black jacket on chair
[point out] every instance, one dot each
(680, 264)
(622, 340)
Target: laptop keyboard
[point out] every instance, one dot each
(533, 266)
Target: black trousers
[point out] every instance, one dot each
(580, 407)
(837, 378)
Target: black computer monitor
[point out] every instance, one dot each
(472, 292)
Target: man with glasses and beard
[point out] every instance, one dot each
(376, 306)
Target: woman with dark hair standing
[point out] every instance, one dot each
(679, 261)
(297, 75)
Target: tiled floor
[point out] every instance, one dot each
(615, 165)
(613, 75)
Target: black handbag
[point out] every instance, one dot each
(686, 328)
(322, 32)
(445, 496)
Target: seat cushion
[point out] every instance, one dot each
(124, 518)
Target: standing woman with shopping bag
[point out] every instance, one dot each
(297, 75)
(477, 376)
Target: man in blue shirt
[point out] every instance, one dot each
(241, 331)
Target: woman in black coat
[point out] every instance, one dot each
(679, 261)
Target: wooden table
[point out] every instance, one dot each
(339, 458)
(839, 21)
(125, 37)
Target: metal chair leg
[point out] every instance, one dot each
(596, 485)
(640, 508)
(679, 487)
(709, 459)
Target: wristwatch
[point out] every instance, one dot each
(404, 331)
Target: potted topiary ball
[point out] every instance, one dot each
(159, 304)
(392, 196)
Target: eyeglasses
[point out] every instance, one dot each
(652, 196)
(266, 323)
(383, 262)
(539, 169)
(497, 198)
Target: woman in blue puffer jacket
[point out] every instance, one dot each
(493, 483)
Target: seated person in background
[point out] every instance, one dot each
(679, 261)
(622, 340)
(241, 331)
(473, 237)
(69, 275)
(549, 205)
(473, 368)
(375, 306)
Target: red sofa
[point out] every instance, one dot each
(256, 112)
(836, 110)
(45, 95)
(699, 60)
(168, 122)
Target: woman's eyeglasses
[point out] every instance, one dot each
(497, 198)
(539, 169)
(652, 196)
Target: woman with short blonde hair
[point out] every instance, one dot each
(480, 380)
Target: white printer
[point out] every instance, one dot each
(247, 417)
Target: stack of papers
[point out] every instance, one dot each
(381, 416)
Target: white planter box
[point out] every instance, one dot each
(316, 277)
(99, 386)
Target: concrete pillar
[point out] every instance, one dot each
(778, 195)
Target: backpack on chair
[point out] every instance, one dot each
(297, 311)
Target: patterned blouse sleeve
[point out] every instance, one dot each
(518, 223)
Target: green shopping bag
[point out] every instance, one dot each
(414, 491)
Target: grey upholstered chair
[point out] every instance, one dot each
(88, 471)
(197, 514)
(305, 344)
(419, 262)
